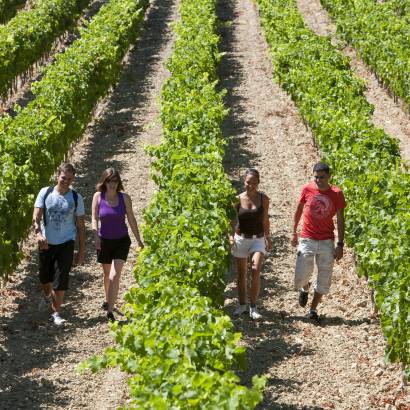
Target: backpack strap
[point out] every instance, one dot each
(50, 189)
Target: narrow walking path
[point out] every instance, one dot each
(338, 363)
(38, 361)
(388, 112)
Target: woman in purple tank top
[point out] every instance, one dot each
(110, 208)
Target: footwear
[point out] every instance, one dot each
(45, 303)
(240, 309)
(110, 317)
(57, 319)
(312, 315)
(254, 314)
(104, 306)
(303, 297)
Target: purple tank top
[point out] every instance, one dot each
(112, 219)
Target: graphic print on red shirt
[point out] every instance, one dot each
(319, 210)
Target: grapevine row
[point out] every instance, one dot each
(381, 36)
(31, 34)
(35, 141)
(178, 347)
(366, 161)
(8, 9)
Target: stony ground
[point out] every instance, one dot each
(337, 364)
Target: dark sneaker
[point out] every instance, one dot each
(303, 297)
(312, 315)
(104, 306)
(110, 317)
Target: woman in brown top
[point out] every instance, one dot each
(250, 237)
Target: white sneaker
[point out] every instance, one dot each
(45, 303)
(240, 310)
(254, 314)
(57, 319)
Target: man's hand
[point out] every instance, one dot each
(140, 243)
(294, 241)
(338, 252)
(79, 259)
(41, 241)
(268, 241)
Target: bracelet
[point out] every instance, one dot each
(341, 244)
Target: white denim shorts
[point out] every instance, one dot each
(309, 250)
(243, 247)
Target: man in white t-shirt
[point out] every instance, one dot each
(58, 218)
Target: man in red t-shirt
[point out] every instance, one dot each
(319, 202)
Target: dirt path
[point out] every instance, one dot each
(339, 363)
(38, 361)
(388, 113)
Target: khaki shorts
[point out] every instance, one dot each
(324, 253)
(243, 247)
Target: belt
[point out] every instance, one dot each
(244, 235)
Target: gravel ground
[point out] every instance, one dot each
(337, 364)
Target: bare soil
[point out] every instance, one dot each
(390, 113)
(336, 364)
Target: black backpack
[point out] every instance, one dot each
(50, 189)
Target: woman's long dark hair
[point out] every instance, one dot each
(107, 176)
(254, 172)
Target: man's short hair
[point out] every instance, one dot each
(321, 166)
(66, 167)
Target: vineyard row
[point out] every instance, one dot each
(31, 34)
(366, 161)
(36, 140)
(8, 8)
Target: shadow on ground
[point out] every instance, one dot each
(29, 342)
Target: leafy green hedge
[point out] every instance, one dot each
(35, 141)
(8, 9)
(381, 35)
(31, 34)
(177, 345)
(366, 161)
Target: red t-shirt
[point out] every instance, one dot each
(319, 210)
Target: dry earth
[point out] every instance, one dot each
(336, 364)
(389, 112)
(38, 361)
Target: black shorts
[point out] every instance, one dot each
(113, 249)
(55, 264)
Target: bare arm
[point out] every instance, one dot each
(266, 223)
(95, 219)
(234, 223)
(296, 220)
(41, 240)
(81, 239)
(132, 221)
(340, 234)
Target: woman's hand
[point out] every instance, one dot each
(97, 243)
(232, 243)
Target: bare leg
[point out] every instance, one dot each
(106, 269)
(317, 297)
(47, 288)
(115, 273)
(241, 266)
(257, 261)
(58, 297)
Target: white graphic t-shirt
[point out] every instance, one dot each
(60, 224)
